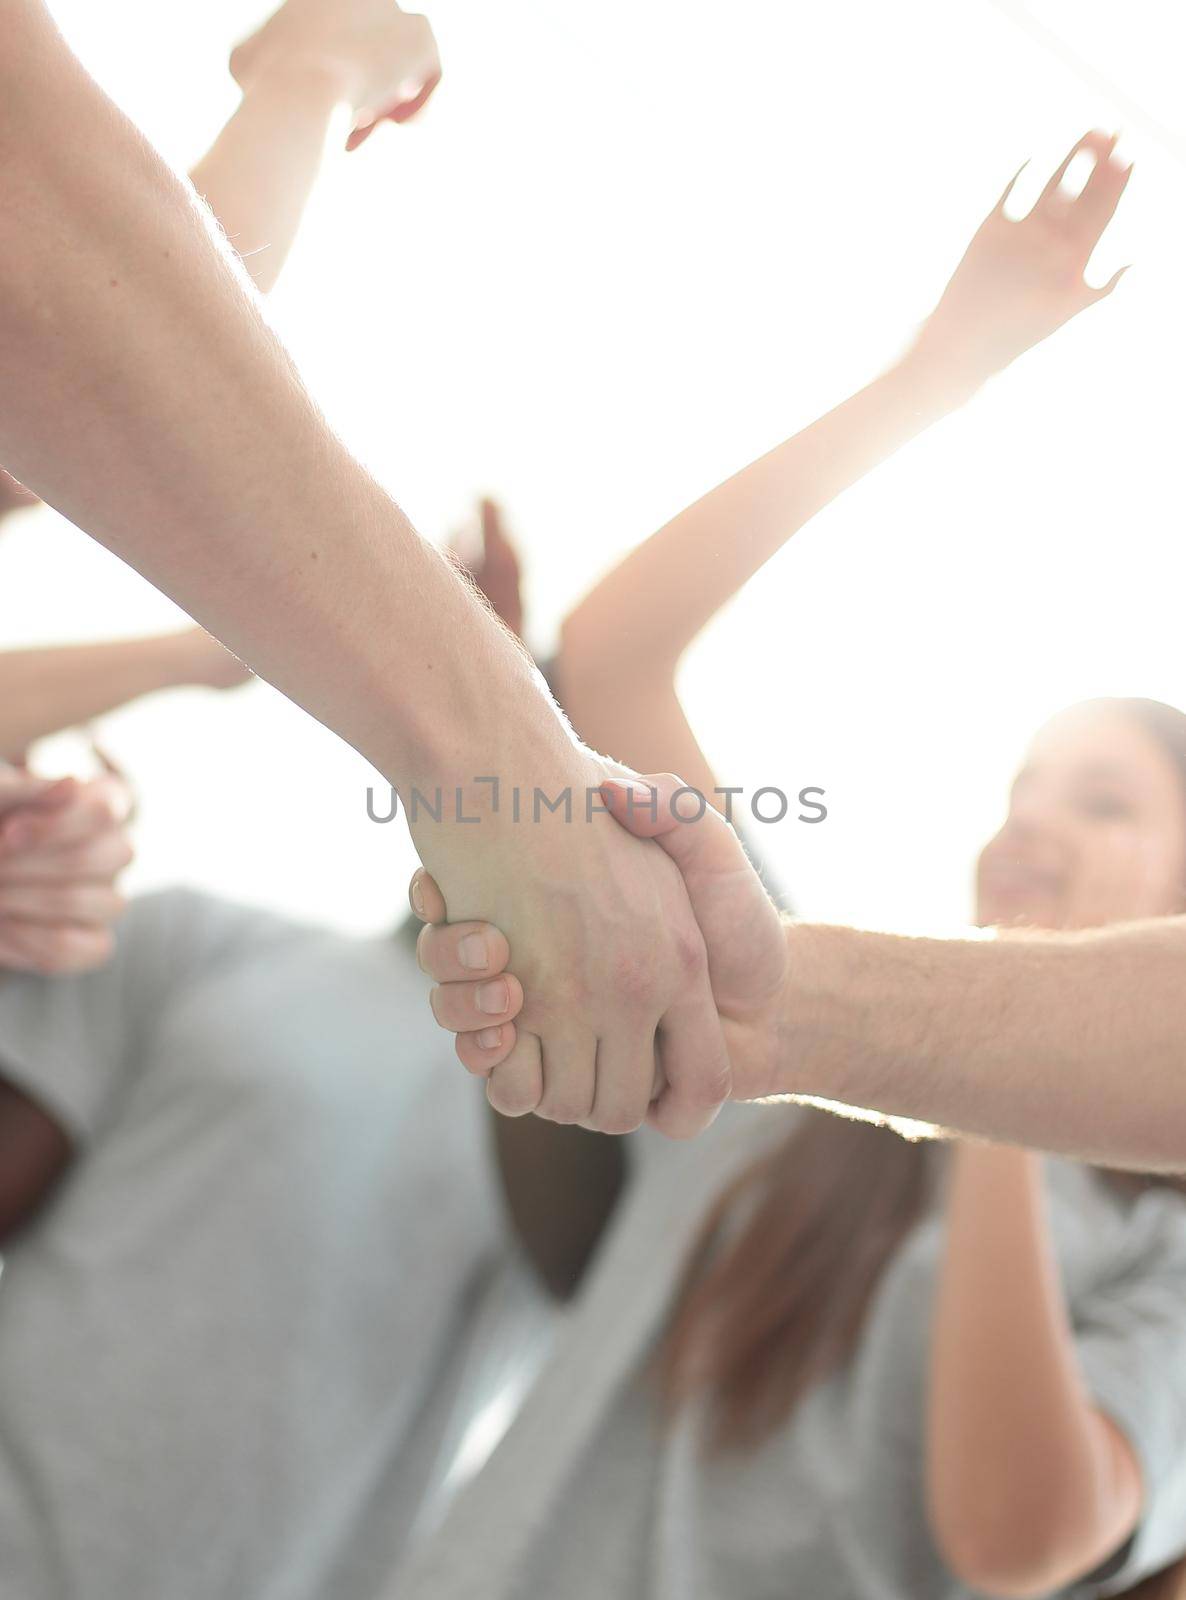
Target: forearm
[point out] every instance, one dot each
(44, 691)
(651, 607)
(259, 173)
(1063, 1042)
(1028, 1486)
(160, 414)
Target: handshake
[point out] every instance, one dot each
(618, 1028)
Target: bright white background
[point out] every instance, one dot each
(629, 247)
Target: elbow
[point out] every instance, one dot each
(1003, 1566)
(1014, 1535)
(594, 647)
(1019, 1552)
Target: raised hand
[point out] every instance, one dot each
(385, 60)
(62, 846)
(1020, 281)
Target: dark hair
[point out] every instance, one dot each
(791, 1254)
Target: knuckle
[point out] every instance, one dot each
(616, 1120)
(566, 997)
(565, 1107)
(64, 953)
(66, 902)
(510, 1096)
(635, 979)
(689, 953)
(708, 1089)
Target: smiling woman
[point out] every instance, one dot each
(1096, 831)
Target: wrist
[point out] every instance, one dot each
(935, 377)
(191, 659)
(170, 660)
(977, 1160)
(811, 1022)
(310, 81)
(531, 770)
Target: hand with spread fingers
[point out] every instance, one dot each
(1020, 281)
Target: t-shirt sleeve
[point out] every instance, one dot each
(71, 1043)
(1131, 1339)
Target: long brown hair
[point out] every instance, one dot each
(791, 1254)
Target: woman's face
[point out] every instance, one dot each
(1096, 830)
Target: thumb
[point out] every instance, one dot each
(638, 803)
(20, 789)
(679, 818)
(1106, 290)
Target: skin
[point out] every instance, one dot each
(560, 1184)
(1017, 283)
(62, 847)
(1094, 831)
(257, 179)
(260, 524)
(942, 1030)
(1029, 1486)
(44, 691)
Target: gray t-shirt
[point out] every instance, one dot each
(255, 1282)
(589, 1495)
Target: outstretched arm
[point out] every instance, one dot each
(259, 173)
(159, 413)
(621, 645)
(44, 691)
(1029, 1485)
(1067, 1042)
(256, 179)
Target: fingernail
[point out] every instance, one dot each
(417, 897)
(494, 997)
(474, 953)
(490, 1038)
